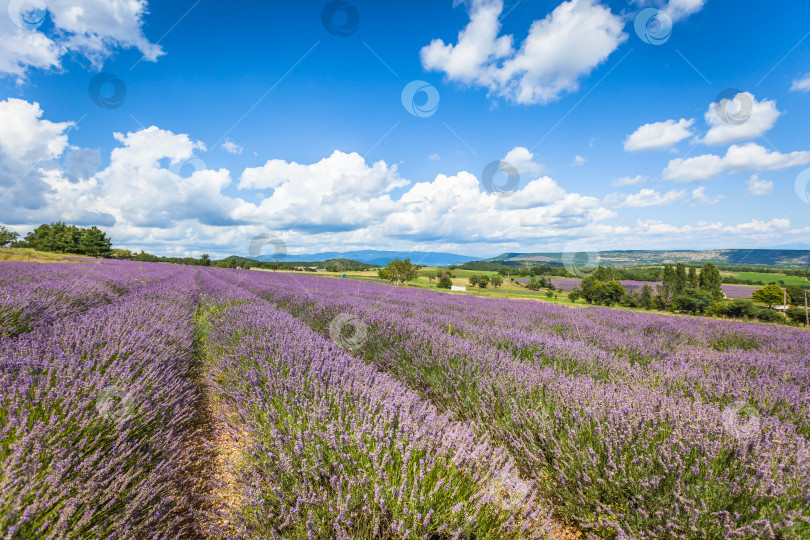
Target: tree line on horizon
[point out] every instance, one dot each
(60, 237)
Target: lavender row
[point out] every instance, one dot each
(617, 458)
(331, 448)
(97, 417)
(622, 347)
(33, 296)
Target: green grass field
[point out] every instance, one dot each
(768, 278)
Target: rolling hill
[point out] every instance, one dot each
(754, 257)
(381, 258)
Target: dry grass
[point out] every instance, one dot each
(32, 255)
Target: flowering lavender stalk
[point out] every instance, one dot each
(34, 296)
(96, 419)
(605, 410)
(328, 447)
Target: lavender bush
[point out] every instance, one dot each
(33, 296)
(331, 448)
(96, 418)
(699, 433)
(157, 401)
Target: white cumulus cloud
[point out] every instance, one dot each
(748, 157)
(658, 135)
(147, 199)
(93, 28)
(761, 116)
(644, 198)
(232, 147)
(802, 84)
(560, 49)
(676, 9)
(521, 159)
(757, 187)
(699, 196)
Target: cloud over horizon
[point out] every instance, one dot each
(147, 196)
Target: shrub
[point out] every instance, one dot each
(769, 315)
(740, 307)
(796, 314)
(692, 300)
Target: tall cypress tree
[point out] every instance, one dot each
(668, 279)
(680, 278)
(694, 282)
(710, 281)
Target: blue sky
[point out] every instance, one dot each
(259, 120)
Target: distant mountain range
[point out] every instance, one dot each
(786, 256)
(794, 245)
(769, 257)
(371, 256)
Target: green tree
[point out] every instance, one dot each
(769, 315)
(144, 257)
(795, 295)
(599, 292)
(58, 237)
(496, 281)
(605, 273)
(398, 271)
(681, 280)
(205, 259)
(694, 301)
(63, 238)
(710, 281)
(796, 314)
(668, 285)
(123, 254)
(741, 307)
(483, 281)
(590, 289)
(646, 298)
(694, 280)
(444, 283)
(474, 280)
(94, 243)
(769, 295)
(7, 236)
(611, 292)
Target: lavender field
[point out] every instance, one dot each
(164, 401)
